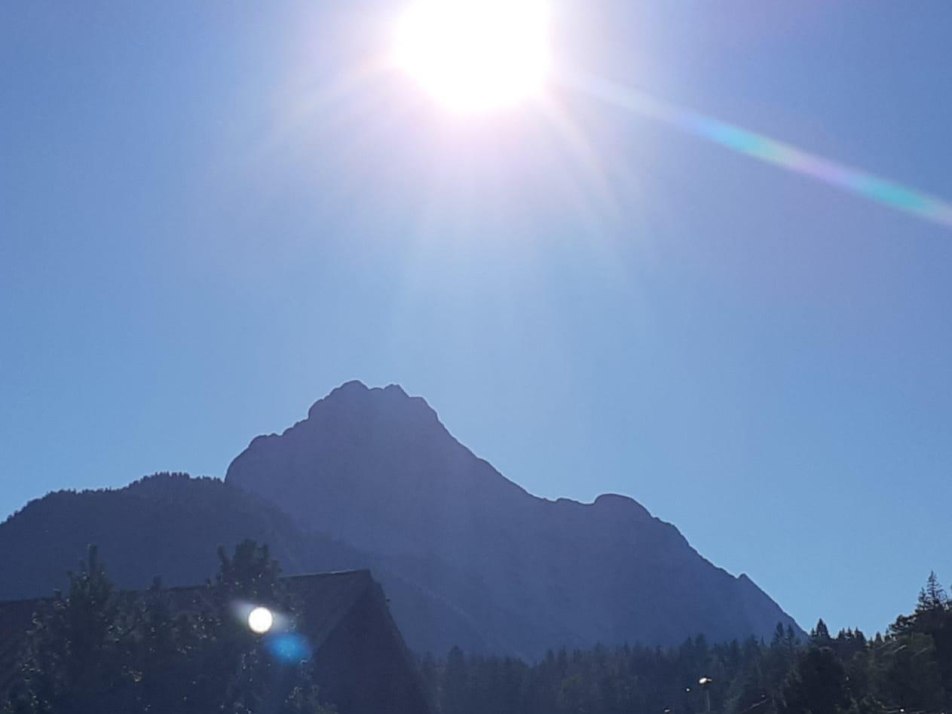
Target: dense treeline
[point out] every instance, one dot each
(909, 670)
(94, 649)
(98, 649)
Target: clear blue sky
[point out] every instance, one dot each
(209, 218)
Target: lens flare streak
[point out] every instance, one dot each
(770, 151)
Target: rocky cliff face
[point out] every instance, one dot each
(376, 469)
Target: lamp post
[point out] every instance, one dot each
(705, 684)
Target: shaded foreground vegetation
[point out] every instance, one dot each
(97, 650)
(908, 670)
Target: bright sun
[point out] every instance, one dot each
(475, 55)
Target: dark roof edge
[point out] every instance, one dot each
(362, 573)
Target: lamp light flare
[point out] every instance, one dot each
(260, 620)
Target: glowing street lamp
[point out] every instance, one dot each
(260, 620)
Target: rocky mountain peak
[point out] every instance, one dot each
(375, 468)
(355, 400)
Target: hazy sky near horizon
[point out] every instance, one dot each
(211, 214)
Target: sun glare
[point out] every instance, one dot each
(475, 55)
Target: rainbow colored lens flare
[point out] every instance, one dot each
(771, 151)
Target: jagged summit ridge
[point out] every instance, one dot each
(355, 397)
(354, 400)
(375, 468)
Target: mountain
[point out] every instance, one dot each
(376, 469)
(167, 525)
(372, 479)
(171, 525)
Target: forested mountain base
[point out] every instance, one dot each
(909, 670)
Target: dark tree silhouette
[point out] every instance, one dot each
(98, 650)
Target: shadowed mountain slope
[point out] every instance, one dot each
(166, 525)
(375, 468)
(170, 525)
